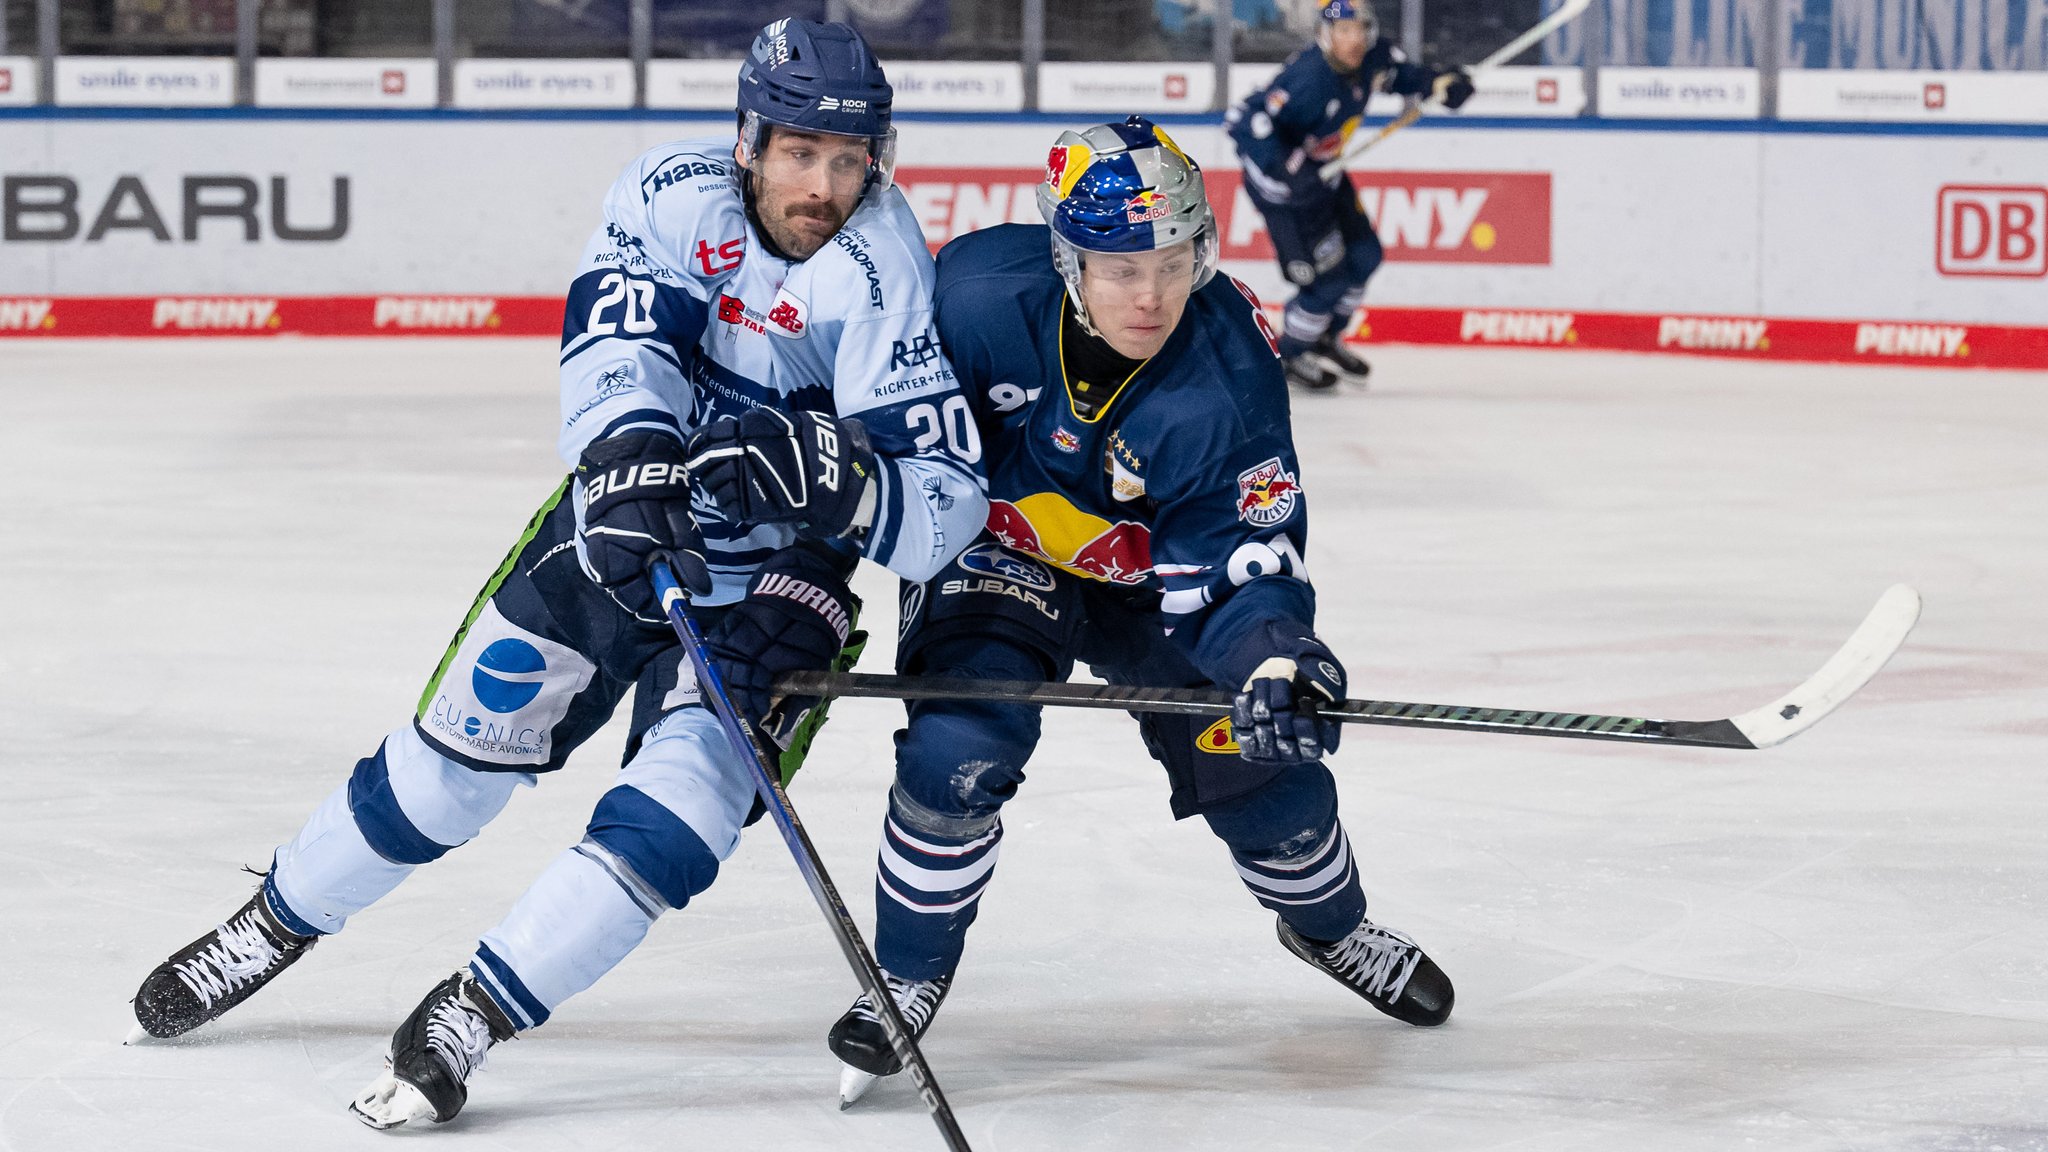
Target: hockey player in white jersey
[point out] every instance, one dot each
(747, 342)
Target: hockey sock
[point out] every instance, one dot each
(928, 889)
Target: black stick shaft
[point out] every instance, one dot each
(768, 782)
(1209, 702)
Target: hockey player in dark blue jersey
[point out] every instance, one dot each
(1147, 518)
(1285, 133)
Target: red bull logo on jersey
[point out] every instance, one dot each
(1145, 206)
(1266, 493)
(1046, 525)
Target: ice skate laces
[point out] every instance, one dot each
(459, 1035)
(917, 1000)
(1369, 958)
(241, 951)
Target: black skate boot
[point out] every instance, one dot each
(433, 1055)
(1385, 967)
(861, 1044)
(1312, 371)
(1349, 365)
(212, 974)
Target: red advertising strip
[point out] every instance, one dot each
(1740, 337)
(91, 316)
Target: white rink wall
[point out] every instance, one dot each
(1838, 221)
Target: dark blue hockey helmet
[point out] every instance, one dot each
(1123, 188)
(1360, 11)
(817, 78)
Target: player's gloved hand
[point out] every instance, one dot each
(797, 615)
(1452, 87)
(1275, 717)
(636, 510)
(1305, 175)
(803, 468)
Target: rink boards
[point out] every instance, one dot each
(1815, 242)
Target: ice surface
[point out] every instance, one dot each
(229, 566)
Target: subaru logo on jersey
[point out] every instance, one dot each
(1065, 441)
(993, 560)
(507, 676)
(1265, 493)
(915, 353)
(1146, 205)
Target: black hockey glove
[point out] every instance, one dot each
(636, 510)
(1274, 718)
(1304, 177)
(803, 468)
(797, 615)
(1452, 86)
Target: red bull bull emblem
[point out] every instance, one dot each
(1146, 205)
(1266, 493)
(1065, 441)
(1044, 524)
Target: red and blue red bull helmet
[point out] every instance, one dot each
(1337, 11)
(818, 78)
(1123, 188)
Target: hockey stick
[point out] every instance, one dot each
(767, 781)
(1565, 13)
(1866, 651)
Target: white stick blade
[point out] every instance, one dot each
(1842, 676)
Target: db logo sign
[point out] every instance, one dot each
(394, 82)
(1176, 86)
(1935, 97)
(6, 79)
(1546, 91)
(1985, 230)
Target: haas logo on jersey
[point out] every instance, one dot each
(1265, 493)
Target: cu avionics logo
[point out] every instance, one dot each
(507, 676)
(1991, 230)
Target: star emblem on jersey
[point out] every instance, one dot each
(1266, 493)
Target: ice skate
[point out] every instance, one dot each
(433, 1054)
(862, 1045)
(1385, 967)
(212, 974)
(1312, 371)
(1350, 366)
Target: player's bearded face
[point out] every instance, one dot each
(806, 184)
(1135, 299)
(1345, 43)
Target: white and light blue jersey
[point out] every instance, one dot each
(680, 315)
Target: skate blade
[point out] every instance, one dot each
(389, 1102)
(853, 1084)
(137, 1034)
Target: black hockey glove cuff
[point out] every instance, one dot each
(1275, 717)
(636, 509)
(797, 615)
(1452, 86)
(803, 468)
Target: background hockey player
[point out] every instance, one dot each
(1147, 519)
(1285, 133)
(767, 300)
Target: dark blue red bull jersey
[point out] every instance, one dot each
(1184, 482)
(1314, 108)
